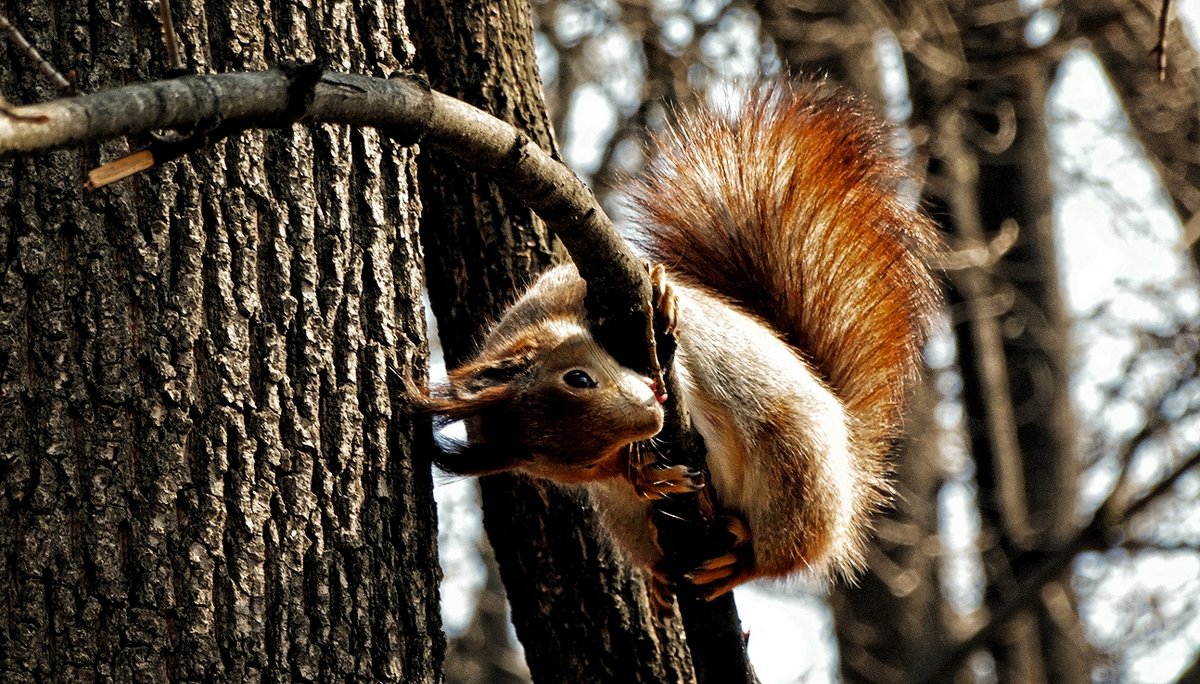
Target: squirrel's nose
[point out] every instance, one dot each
(660, 393)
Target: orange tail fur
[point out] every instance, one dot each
(788, 208)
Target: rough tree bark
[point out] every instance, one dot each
(580, 614)
(206, 472)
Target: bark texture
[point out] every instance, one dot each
(206, 471)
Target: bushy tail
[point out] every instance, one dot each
(788, 206)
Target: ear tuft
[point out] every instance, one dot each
(484, 375)
(477, 386)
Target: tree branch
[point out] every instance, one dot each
(43, 65)
(170, 42)
(405, 109)
(1030, 583)
(1160, 47)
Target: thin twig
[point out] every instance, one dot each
(174, 62)
(7, 111)
(1160, 48)
(1164, 485)
(64, 86)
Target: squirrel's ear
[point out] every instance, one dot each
(487, 374)
(476, 386)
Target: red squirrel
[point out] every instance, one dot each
(801, 284)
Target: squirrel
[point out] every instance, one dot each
(800, 284)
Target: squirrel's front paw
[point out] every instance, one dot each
(722, 573)
(652, 481)
(659, 482)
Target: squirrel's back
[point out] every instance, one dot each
(788, 207)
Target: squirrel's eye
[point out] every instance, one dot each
(578, 379)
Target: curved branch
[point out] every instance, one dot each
(406, 110)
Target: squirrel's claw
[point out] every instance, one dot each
(662, 597)
(659, 482)
(664, 299)
(717, 575)
(714, 569)
(720, 574)
(723, 587)
(652, 481)
(738, 529)
(659, 585)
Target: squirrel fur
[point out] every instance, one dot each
(803, 295)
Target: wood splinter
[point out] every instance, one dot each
(119, 169)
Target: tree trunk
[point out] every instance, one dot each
(1036, 513)
(826, 40)
(484, 652)
(891, 622)
(206, 469)
(580, 614)
(991, 173)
